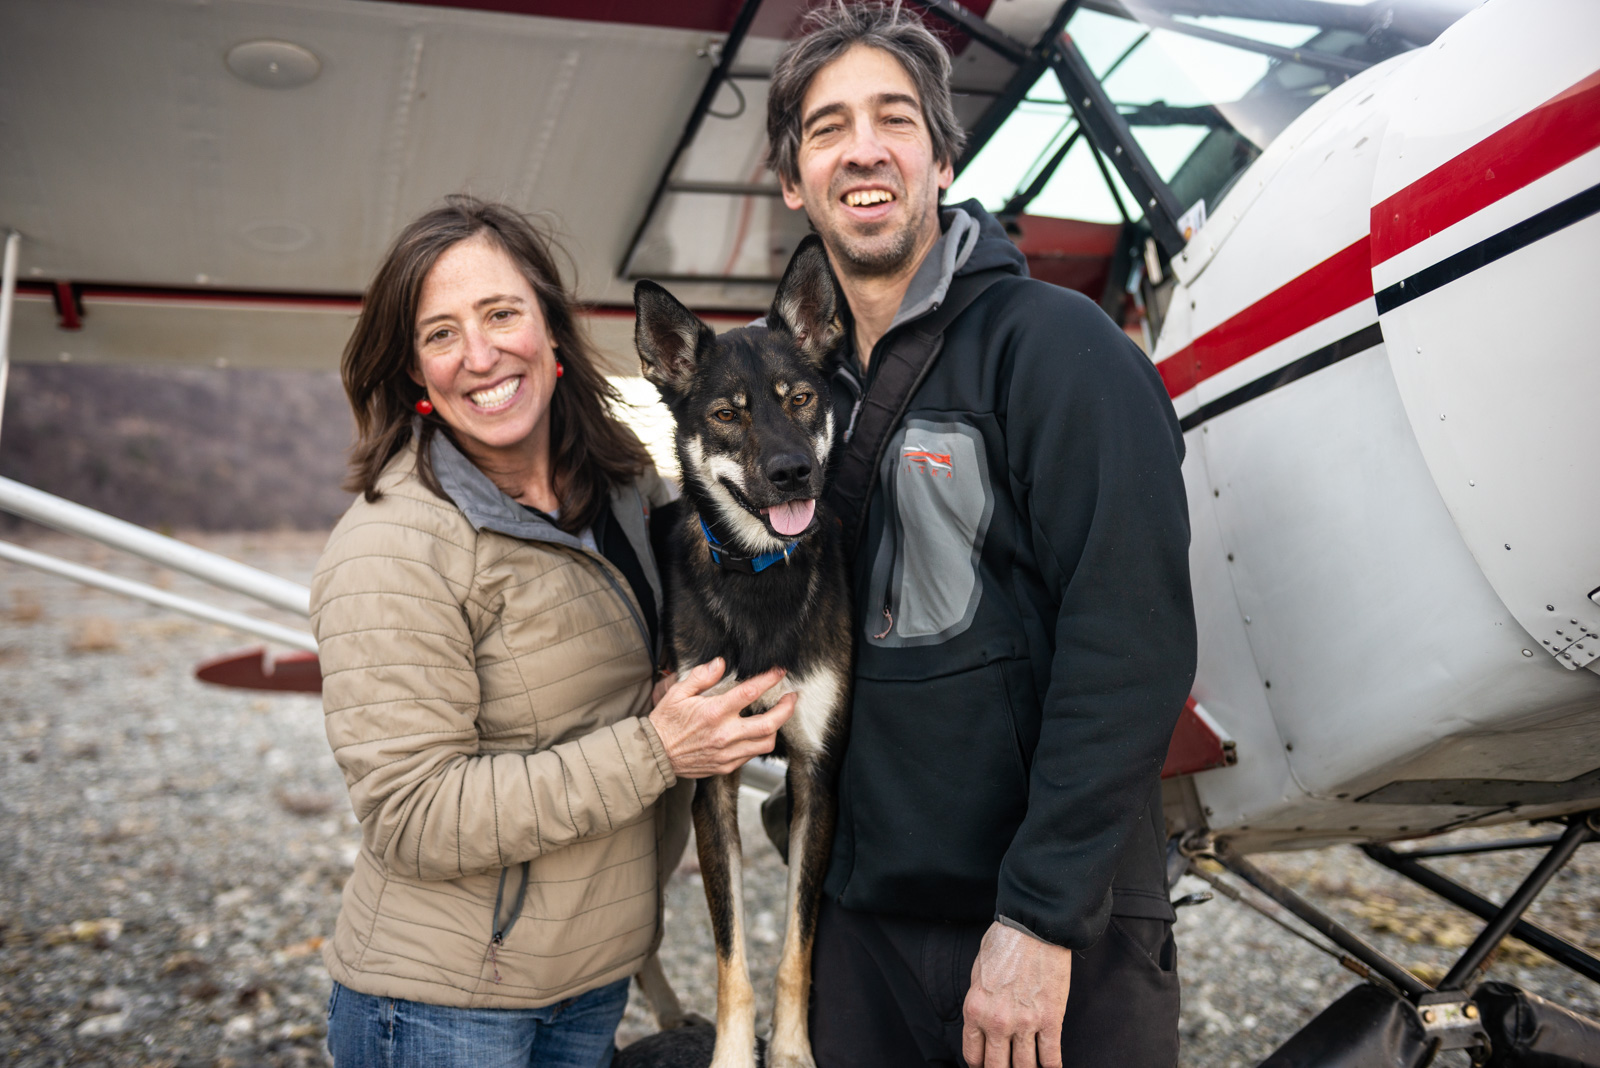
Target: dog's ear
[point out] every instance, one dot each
(808, 303)
(670, 338)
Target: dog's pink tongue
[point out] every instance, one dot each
(791, 517)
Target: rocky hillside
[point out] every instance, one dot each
(182, 448)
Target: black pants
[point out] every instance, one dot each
(887, 993)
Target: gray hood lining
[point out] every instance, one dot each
(948, 255)
(484, 504)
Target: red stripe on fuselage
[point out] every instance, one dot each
(1552, 134)
(1525, 150)
(1343, 279)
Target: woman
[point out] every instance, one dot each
(486, 615)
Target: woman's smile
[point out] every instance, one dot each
(497, 397)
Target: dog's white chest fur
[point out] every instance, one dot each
(821, 691)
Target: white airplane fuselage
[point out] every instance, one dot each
(1394, 457)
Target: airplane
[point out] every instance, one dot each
(1355, 236)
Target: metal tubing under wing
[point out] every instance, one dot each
(1304, 56)
(1016, 89)
(708, 93)
(8, 299)
(1324, 924)
(762, 774)
(978, 29)
(53, 511)
(1109, 133)
(1551, 945)
(1467, 970)
(160, 598)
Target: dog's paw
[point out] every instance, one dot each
(742, 1060)
(738, 1055)
(792, 1058)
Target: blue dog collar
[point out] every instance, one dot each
(749, 565)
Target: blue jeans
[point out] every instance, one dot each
(372, 1032)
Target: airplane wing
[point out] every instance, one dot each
(213, 183)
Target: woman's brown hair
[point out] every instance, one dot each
(590, 449)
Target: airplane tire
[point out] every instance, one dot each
(1529, 1032)
(1368, 1027)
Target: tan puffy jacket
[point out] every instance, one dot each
(485, 683)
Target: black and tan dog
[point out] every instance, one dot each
(755, 575)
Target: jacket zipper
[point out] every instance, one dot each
(891, 520)
(638, 620)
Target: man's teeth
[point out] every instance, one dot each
(490, 398)
(862, 197)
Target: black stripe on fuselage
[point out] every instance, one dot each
(1552, 220)
(1327, 356)
(1534, 228)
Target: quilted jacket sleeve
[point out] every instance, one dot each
(401, 698)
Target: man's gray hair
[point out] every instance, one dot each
(830, 32)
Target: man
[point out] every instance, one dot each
(1026, 638)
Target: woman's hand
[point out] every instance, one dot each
(706, 736)
(659, 691)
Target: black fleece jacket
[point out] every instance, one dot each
(1025, 630)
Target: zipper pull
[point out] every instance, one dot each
(888, 623)
(494, 959)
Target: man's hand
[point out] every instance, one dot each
(1013, 1012)
(706, 735)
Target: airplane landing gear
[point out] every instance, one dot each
(1398, 1021)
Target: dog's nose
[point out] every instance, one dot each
(789, 471)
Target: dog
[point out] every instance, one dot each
(755, 574)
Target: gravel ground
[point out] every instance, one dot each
(171, 856)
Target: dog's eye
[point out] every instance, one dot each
(726, 415)
(800, 400)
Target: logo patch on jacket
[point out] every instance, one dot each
(926, 461)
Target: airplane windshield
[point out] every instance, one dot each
(1203, 96)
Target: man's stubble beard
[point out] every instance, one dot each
(864, 260)
(859, 257)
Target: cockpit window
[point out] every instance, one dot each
(1202, 95)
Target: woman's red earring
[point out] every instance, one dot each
(424, 406)
(559, 369)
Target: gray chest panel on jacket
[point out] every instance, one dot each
(925, 572)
